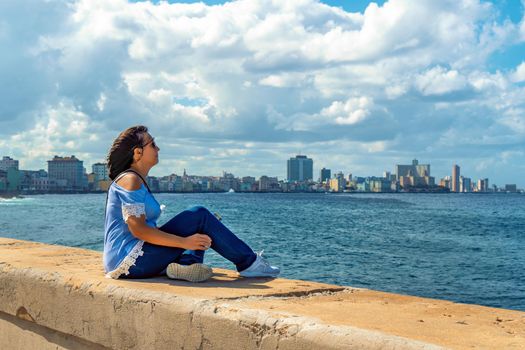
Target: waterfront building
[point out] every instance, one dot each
(33, 181)
(9, 175)
(187, 186)
(8, 162)
(91, 182)
(229, 182)
(165, 185)
(325, 175)
(414, 175)
(40, 183)
(406, 181)
(170, 183)
(455, 178)
(303, 186)
(268, 184)
(363, 186)
(248, 184)
(153, 183)
(391, 177)
(3, 180)
(10, 180)
(66, 174)
(101, 172)
(482, 185)
(380, 185)
(446, 182)
(465, 184)
(511, 188)
(300, 168)
(415, 169)
(338, 182)
(177, 184)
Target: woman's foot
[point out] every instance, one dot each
(191, 273)
(260, 268)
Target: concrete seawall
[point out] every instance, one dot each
(55, 297)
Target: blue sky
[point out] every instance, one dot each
(241, 86)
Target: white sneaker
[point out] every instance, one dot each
(260, 268)
(191, 273)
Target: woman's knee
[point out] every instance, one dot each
(199, 210)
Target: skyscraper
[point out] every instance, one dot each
(300, 168)
(325, 175)
(455, 178)
(465, 184)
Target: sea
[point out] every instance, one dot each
(467, 248)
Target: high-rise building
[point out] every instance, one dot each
(8, 162)
(483, 185)
(465, 184)
(455, 178)
(101, 171)
(415, 169)
(414, 175)
(66, 174)
(325, 175)
(300, 168)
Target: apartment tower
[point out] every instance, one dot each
(455, 178)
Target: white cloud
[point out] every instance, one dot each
(514, 119)
(283, 80)
(519, 74)
(396, 91)
(353, 111)
(486, 82)
(57, 129)
(439, 81)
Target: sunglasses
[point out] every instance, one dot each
(152, 141)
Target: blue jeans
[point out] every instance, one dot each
(194, 220)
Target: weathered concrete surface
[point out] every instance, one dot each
(57, 297)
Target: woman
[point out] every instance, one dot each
(134, 247)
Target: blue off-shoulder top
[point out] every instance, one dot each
(121, 248)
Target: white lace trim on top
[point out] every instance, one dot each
(129, 260)
(133, 210)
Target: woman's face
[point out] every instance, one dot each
(150, 150)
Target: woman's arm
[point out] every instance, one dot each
(139, 229)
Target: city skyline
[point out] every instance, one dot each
(243, 85)
(401, 173)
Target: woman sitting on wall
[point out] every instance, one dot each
(134, 247)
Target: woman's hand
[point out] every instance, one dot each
(197, 241)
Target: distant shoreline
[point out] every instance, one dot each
(22, 194)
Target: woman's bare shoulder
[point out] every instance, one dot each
(130, 182)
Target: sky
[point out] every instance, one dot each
(242, 86)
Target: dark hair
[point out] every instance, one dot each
(120, 155)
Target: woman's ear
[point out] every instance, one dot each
(137, 154)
